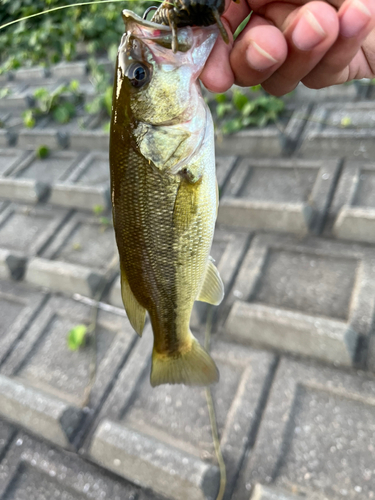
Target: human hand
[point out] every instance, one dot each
(320, 43)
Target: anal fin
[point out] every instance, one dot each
(212, 290)
(135, 312)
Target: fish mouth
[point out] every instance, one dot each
(158, 33)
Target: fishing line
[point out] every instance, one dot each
(61, 7)
(212, 415)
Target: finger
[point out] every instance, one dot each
(257, 53)
(235, 13)
(310, 31)
(217, 75)
(357, 20)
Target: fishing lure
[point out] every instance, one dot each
(180, 13)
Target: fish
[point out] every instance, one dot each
(164, 192)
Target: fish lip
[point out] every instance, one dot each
(128, 15)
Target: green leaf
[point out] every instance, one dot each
(76, 337)
(28, 118)
(242, 26)
(222, 109)
(220, 98)
(104, 221)
(98, 209)
(61, 114)
(74, 86)
(239, 99)
(232, 126)
(42, 152)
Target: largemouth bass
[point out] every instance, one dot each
(164, 192)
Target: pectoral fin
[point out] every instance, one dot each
(161, 145)
(135, 312)
(212, 290)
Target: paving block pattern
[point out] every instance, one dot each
(282, 195)
(33, 470)
(271, 141)
(78, 259)
(340, 130)
(289, 430)
(26, 230)
(352, 212)
(19, 305)
(316, 437)
(45, 387)
(313, 298)
(87, 186)
(160, 438)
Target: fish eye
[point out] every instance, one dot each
(138, 74)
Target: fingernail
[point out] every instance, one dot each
(308, 33)
(258, 58)
(354, 19)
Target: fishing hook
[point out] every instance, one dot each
(147, 11)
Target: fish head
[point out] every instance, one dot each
(157, 86)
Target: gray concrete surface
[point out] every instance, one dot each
(293, 339)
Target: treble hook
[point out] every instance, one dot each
(153, 7)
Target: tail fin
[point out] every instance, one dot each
(193, 367)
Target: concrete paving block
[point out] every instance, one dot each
(47, 416)
(34, 470)
(151, 464)
(31, 74)
(63, 277)
(352, 213)
(69, 70)
(92, 171)
(340, 130)
(80, 197)
(33, 138)
(17, 100)
(262, 492)
(344, 93)
(166, 430)
(328, 340)
(272, 141)
(312, 298)
(224, 167)
(29, 191)
(12, 266)
(19, 305)
(7, 138)
(88, 140)
(316, 435)
(7, 433)
(55, 168)
(87, 185)
(26, 230)
(44, 365)
(84, 241)
(10, 158)
(281, 195)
